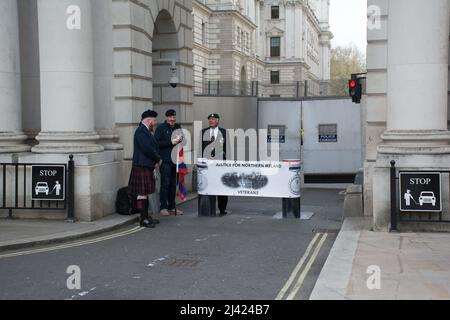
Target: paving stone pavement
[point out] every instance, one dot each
(412, 266)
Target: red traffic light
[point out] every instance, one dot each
(352, 83)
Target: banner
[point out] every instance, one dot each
(248, 178)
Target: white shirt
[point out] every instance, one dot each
(214, 132)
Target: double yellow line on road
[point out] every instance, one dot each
(74, 244)
(284, 293)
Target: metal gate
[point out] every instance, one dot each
(16, 194)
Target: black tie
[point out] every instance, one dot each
(213, 138)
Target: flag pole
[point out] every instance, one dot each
(178, 159)
(178, 171)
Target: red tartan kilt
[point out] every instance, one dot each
(142, 181)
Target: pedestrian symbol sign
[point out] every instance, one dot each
(48, 182)
(420, 191)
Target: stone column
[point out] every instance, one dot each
(11, 135)
(417, 76)
(104, 74)
(67, 78)
(416, 135)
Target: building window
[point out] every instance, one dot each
(204, 33)
(275, 12)
(275, 46)
(274, 77)
(247, 38)
(328, 133)
(204, 82)
(238, 37)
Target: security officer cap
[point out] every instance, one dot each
(170, 113)
(214, 115)
(149, 114)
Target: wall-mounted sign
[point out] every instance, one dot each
(420, 191)
(48, 182)
(276, 134)
(328, 133)
(328, 138)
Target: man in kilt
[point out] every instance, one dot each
(145, 159)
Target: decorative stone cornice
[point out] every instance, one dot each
(415, 142)
(292, 3)
(237, 14)
(274, 32)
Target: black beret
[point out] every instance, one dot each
(214, 115)
(149, 114)
(170, 113)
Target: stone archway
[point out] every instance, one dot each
(136, 44)
(165, 52)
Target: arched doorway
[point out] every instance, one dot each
(165, 54)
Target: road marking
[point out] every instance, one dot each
(297, 268)
(306, 270)
(75, 244)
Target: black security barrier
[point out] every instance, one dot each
(206, 206)
(291, 208)
(21, 174)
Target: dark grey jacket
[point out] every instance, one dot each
(163, 136)
(146, 153)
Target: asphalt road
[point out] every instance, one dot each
(248, 255)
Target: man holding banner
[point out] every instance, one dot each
(169, 136)
(214, 146)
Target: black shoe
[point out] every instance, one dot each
(147, 223)
(223, 213)
(155, 221)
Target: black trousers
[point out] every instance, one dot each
(168, 186)
(222, 201)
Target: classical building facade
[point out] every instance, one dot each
(265, 48)
(75, 76)
(406, 107)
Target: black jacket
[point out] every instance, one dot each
(163, 136)
(145, 153)
(220, 144)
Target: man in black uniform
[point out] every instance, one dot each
(214, 146)
(167, 140)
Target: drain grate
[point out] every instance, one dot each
(182, 263)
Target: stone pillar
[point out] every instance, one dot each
(416, 135)
(104, 75)
(30, 70)
(67, 78)
(417, 76)
(11, 135)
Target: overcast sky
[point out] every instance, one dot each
(348, 22)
